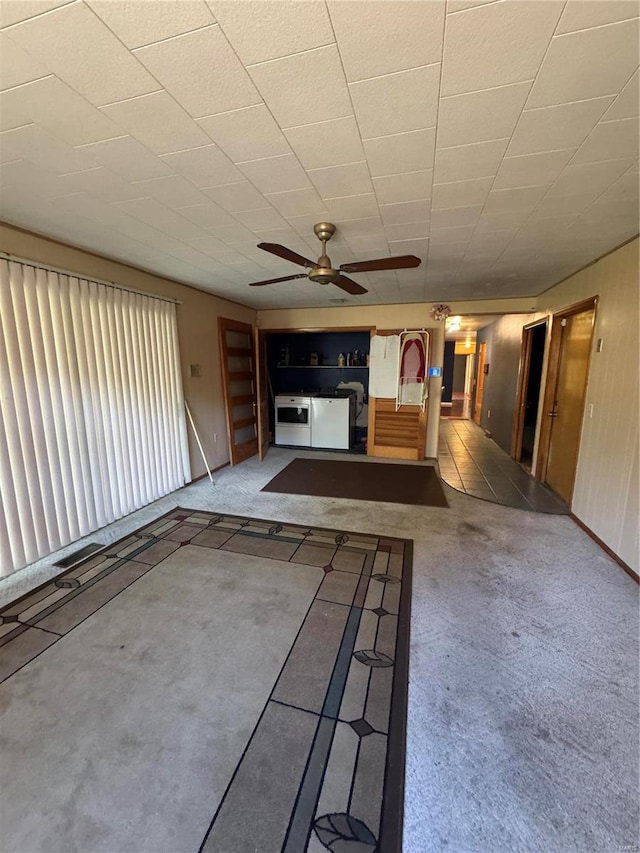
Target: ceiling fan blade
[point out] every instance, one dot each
(350, 286)
(401, 262)
(287, 254)
(275, 280)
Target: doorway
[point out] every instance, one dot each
(528, 396)
(237, 359)
(564, 400)
(482, 360)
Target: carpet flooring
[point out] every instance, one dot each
(357, 481)
(215, 683)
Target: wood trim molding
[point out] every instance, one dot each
(298, 331)
(605, 548)
(213, 471)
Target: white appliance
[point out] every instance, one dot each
(333, 419)
(293, 420)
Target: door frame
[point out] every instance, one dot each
(551, 379)
(476, 415)
(262, 392)
(517, 430)
(238, 453)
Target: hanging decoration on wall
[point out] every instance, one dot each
(440, 312)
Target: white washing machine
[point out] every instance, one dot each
(333, 420)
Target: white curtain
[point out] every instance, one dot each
(92, 420)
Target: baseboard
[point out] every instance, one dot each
(605, 548)
(202, 476)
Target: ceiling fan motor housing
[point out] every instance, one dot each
(324, 275)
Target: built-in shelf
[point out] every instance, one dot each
(323, 366)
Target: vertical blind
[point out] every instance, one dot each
(92, 420)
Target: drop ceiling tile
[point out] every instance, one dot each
(12, 12)
(496, 44)
(210, 245)
(381, 38)
(400, 152)
(532, 169)
(500, 221)
(151, 212)
(583, 14)
(419, 248)
(627, 104)
(34, 144)
(369, 227)
(276, 174)
(407, 231)
(455, 217)
(234, 197)
(327, 143)
(395, 103)
(460, 193)
(263, 220)
(137, 24)
(297, 202)
(125, 156)
(411, 186)
(555, 128)
(303, 225)
(371, 246)
(588, 64)
(284, 27)
(461, 5)
(158, 122)
(112, 74)
(235, 232)
(290, 87)
(179, 64)
(172, 190)
(335, 181)
(610, 140)
(480, 116)
(406, 211)
(465, 162)
(352, 207)
(52, 104)
(494, 242)
(99, 182)
(247, 134)
(16, 66)
(521, 198)
(589, 178)
(206, 166)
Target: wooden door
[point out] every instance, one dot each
(262, 388)
(482, 358)
(239, 385)
(568, 401)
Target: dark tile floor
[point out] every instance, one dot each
(473, 463)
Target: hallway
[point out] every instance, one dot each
(472, 463)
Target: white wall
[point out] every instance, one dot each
(606, 494)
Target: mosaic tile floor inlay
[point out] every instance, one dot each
(325, 758)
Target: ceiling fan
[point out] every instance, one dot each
(321, 270)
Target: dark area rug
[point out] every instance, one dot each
(233, 683)
(360, 481)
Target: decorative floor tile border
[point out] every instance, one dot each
(342, 688)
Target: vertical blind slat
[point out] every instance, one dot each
(92, 419)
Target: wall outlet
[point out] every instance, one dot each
(599, 345)
(590, 410)
(215, 437)
(488, 413)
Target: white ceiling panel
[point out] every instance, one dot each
(480, 116)
(284, 28)
(403, 35)
(125, 156)
(137, 24)
(401, 152)
(498, 142)
(246, 134)
(276, 174)
(177, 64)
(158, 122)
(17, 66)
(206, 166)
(410, 186)
(286, 85)
(57, 108)
(465, 162)
(407, 100)
(496, 44)
(113, 72)
(554, 128)
(587, 64)
(532, 169)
